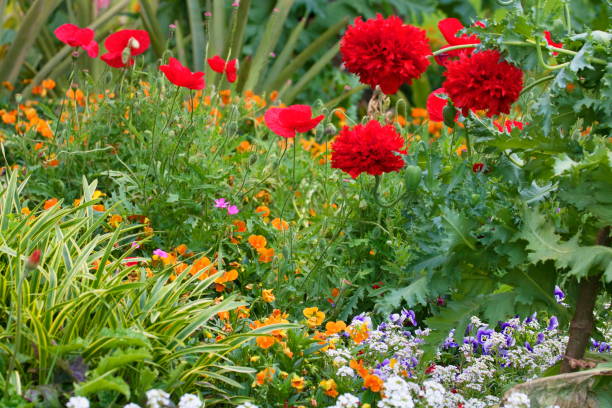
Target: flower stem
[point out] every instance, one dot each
(537, 82)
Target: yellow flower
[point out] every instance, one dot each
(268, 296)
(329, 386)
(297, 382)
(314, 316)
(254, 359)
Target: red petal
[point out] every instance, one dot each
(118, 41)
(435, 105)
(114, 59)
(449, 28)
(275, 125)
(92, 49)
(73, 35)
(217, 64)
(231, 71)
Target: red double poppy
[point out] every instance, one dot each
(75, 36)
(181, 76)
(230, 68)
(286, 122)
(123, 45)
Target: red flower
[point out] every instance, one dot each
(477, 167)
(78, 37)
(182, 76)
(385, 52)
(129, 262)
(509, 125)
(435, 105)
(449, 27)
(483, 81)
(219, 65)
(123, 45)
(550, 42)
(369, 148)
(430, 369)
(286, 122)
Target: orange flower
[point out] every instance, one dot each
(25, 211)
(268, 296)
(98, 207)
(243, 147)
(373, 382)
(223, 315)
(280, 225)
(263, 210)
(240, 225)
(228, 276)
(461, 149)
(48, 84)
(335, 292)
(264, 196)
(50, 203)
(265, 342)
(334, 327)
(226, 96)
(265, 254)
(314, 316)
(358, 366)
(114, 220)
(258, 241)
(200, 264)
(181, 249)
(273, 95)
(264, 376)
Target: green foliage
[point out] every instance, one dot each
(80, 316)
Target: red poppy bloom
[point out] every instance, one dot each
(449, 27)
(435, 105)
(286, 122)
(369, 148)
(550, 42)
(219, 65)
(181, 76)
(385, 52)
(509, 125)
(123, 45)
(75, 36)
(483, 81)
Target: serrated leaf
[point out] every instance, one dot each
(413, 294)
(535, 193)
(545, 245)
(458, 228)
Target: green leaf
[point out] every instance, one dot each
(544, 245)
(458, 228)
(105, 382)
(413, 294)
(121, 358)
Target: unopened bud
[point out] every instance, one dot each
(126, 55)
(33, 260)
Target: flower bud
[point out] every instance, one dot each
(33, 260)
(133, 43)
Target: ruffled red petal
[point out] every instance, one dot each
(435, 105)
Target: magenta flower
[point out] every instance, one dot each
(221, 203)
(135, 244)
(232, 210)
(161, 253)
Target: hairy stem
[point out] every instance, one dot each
(582, 323)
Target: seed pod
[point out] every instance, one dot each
(413, 177)
(449, 113)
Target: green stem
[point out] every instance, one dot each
(527, 43)
(377, 197)
(536, 83)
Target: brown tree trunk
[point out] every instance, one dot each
(582, 323)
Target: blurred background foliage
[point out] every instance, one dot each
(282, 45)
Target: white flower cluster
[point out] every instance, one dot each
(77, 402)
(247, 405)
(190, 401)
(518, 400)
(346, 401)
(157, 398)
(397, 394)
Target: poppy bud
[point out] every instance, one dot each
(413, 177)
(33, 260)
(449, 113)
